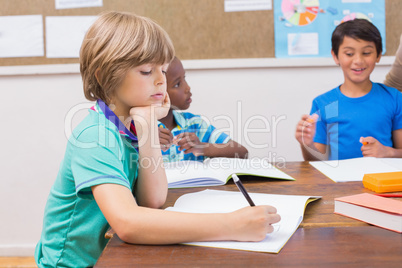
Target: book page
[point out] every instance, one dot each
(290, 208)
(217, 171)
(355, 168)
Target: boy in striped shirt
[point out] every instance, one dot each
(185, 136)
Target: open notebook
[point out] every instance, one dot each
(217, 171)
(355, 168)
(290, 208)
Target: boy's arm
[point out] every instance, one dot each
(190, 143)
(314, 152)
(397, 140)
(151, 185)
(305, 132)
(373, 148)
(140, 225)
(394, 76)
(229, 149)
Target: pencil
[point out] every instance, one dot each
(239, 185)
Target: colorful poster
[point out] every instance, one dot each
(303, 28)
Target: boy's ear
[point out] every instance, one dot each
(378, 58)
(334, 57)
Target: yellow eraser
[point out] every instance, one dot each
(383, 182)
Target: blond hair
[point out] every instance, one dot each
(115, 43)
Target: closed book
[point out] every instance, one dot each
(376, 210)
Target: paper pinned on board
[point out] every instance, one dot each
(21, 36)
(64, 35)
(63, 4)
(250, 5)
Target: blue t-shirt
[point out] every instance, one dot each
(188, 122)
(343, 120)
(100, 150)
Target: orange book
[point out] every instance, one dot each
(376, 210)
(383, 182)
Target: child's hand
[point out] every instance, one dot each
(253, 223)
(165, 138)
(373, 148)
(189, 142)
(162, 111)
(305, 129)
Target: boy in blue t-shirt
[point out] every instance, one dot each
(358, 118)
(185, 136)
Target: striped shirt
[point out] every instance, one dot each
(188, 122)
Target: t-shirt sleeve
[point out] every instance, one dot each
(97, 159)
(321, 129)
(207, 133)
(397, 121)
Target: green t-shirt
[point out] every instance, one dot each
(99, 151)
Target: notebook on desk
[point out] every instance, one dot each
(290, 208)
(218, 171)
(355, 168)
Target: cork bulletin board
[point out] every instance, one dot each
(199, 29)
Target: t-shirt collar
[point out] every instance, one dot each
(180, 120)
(112, 117)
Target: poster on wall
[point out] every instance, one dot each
(303, 28)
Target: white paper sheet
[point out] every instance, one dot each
(355, 168)
(250, 5)
(289, 207)
(21, 36)
(62, 4)
(64, 35)
(303, 44)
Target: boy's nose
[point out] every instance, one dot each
(160, 79)
(357, 59)
(188, 88)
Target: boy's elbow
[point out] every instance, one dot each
(245, 156)
(154, 203)
(243, 153)
(128, 229)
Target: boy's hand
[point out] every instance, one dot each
(162, 110)
(373, 148)
(165, 138)
(305, 129)
(189, 142)
(253, 223)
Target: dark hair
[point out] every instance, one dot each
(356, 29)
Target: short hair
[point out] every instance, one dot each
(115, 43)
(356, 29)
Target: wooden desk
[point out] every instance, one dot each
(323, 238)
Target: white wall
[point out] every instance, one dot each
(35, 106)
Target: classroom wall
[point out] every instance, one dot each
(268, 101)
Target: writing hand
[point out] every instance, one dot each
(253, 223)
